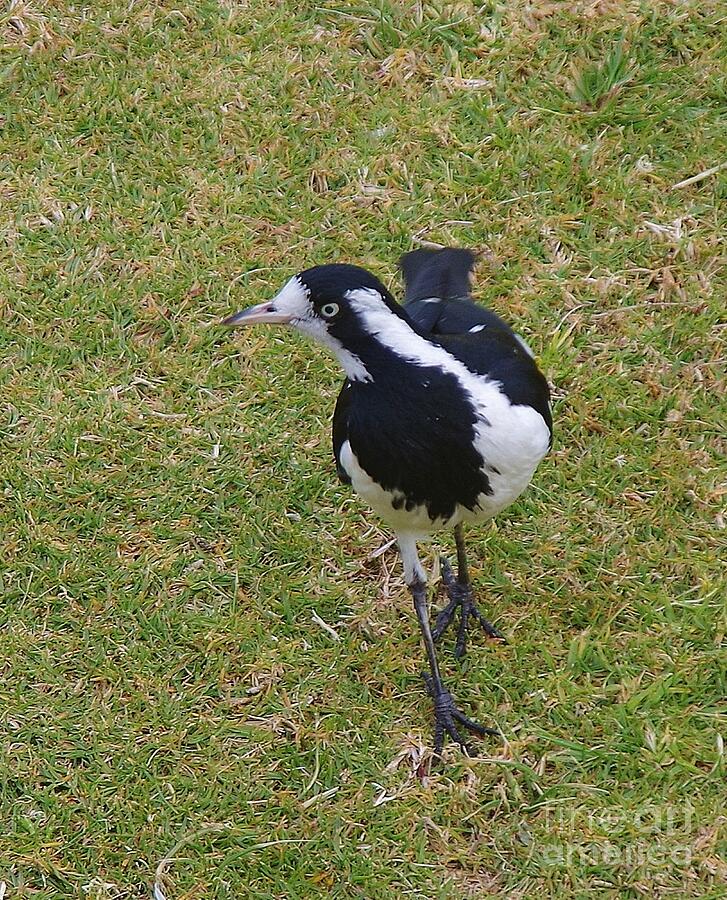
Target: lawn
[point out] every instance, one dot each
(210, 663)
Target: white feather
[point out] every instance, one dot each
(294, 299)
(512, 439)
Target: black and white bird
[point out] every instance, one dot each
(441, 422)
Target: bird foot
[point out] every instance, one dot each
(447, 718)
(460, 597)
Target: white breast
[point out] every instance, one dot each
(415, 520)
(512, 440)
(513, 452)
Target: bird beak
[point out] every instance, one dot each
(263, 312)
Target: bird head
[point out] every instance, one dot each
(332, 304)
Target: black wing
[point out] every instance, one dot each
(502, 358)
(438, 299)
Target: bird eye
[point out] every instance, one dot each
(329, 310)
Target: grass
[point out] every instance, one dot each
(172, 529)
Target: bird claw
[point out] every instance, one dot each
(447, 716)
(460, 597)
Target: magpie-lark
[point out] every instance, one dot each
(441, 421)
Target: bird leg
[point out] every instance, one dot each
(459, 591)
(447, 717)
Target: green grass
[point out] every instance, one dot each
(171, 521)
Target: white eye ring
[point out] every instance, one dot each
(329, 310)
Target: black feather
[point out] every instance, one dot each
(494, 350)
(499, 356)
(444, 275)
(340, 428)
(394, 423)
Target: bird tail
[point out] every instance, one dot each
(444, 274)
